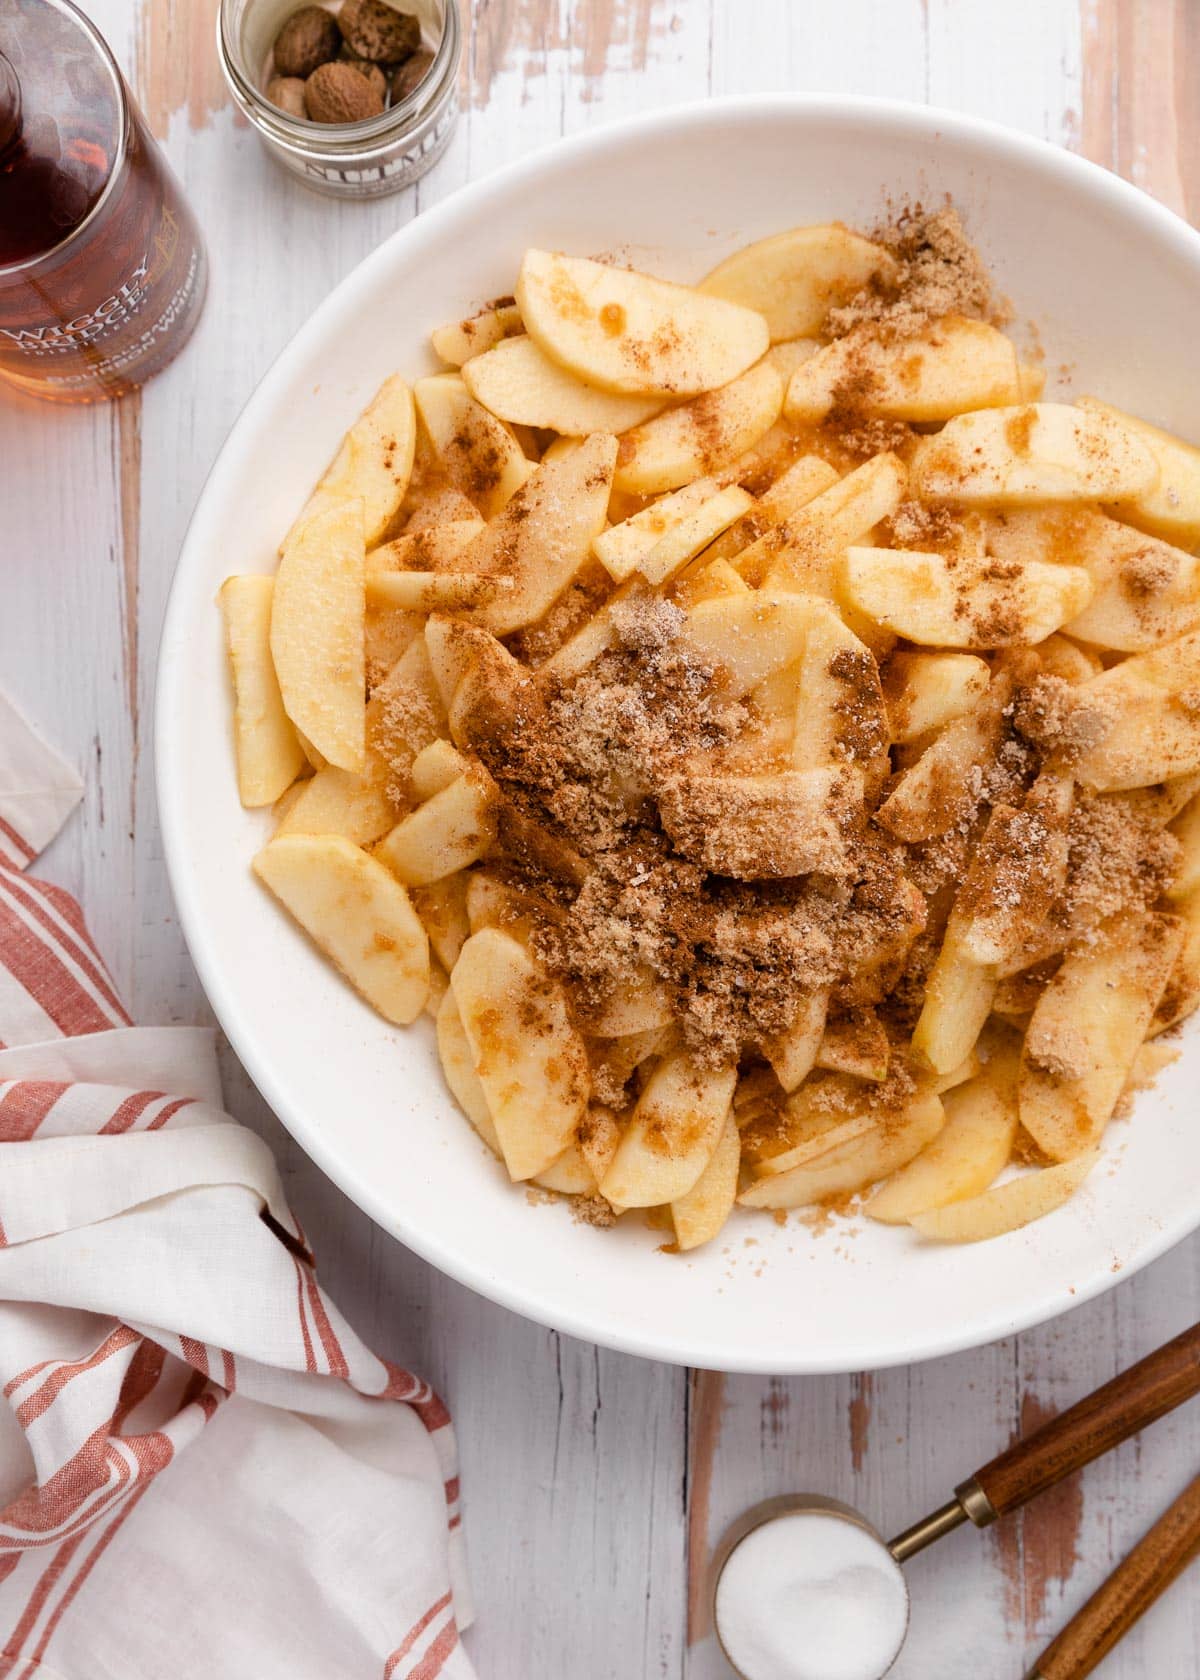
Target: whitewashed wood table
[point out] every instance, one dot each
(595, 1484)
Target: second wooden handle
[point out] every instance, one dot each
(1148, 1390)
(1159, 1557)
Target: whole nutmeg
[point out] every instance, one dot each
(336, 93)
(410, 75)
(288, 93)
(378, 31)
(308, 39)
(365, 68)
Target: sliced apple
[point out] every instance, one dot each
(1145, 591)
(805, 550)
(672, 1135)
(839, 713)
(751, 636)
(1039, 452)
(357, 913)
(949, 367)
(1152, 704)
(699, 1214)
(965, 1157)
(458, 341)
(373, 464)
(569, 1175)
(786, 494)
(1088, 1026)
(434, 548)
(933, 794)
(625, 331)
(317, 632)
(940, 601)
(793, 1053)
(339, 802)
(543, 537)
(458, 1065)
(442, 907)
(699, 437)
(622, 547)
(855, 1042)
(854, 1162)
(1009, 1206)
(663, 544)
(529, 1059)
(794, 279)
(958, 1000)
(926, 691)
(449, 831)
(1172, 508)
(517, 382)
(404, 714)
(269, 755)
(426, 592)
(479, 455)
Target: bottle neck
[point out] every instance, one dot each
(10, 107)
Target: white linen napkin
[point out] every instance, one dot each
(203, 1471)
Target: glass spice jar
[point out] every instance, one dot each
(102, 268)
(365, 159)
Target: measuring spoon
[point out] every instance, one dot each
(832, 1563)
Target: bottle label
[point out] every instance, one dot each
(88, 328)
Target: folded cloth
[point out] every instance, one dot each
(203, 1471)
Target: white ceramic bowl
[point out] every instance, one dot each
(1113, 283)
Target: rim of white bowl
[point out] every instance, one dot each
(934, 121)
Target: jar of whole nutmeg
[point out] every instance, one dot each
(354, 97)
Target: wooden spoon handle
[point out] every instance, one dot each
(1148, 1390)
(1162, 1554)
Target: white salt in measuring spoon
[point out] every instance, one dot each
(806, 1589)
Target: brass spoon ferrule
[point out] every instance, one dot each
(970, 1503)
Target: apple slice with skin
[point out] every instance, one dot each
(317, 619)
(672, 1135)
(699, 437)
(269, 755)
(374, 463)
(543, 536)
(628, 332)
(952, 365)
(794, 279)
(357, 913)
(701, 1212)
(517, 382)
(530, 1060)
(1040, 452)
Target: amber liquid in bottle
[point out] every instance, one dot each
(102, 267)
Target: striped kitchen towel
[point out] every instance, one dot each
(203, 1470)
